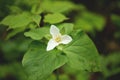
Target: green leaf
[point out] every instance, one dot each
(15, 9)
(90, 21)
(54, 18)
(37, 34)
(82, 53)
(29, 3)
(36, 19)
(67, 27)
(57, 6)
(19, 20)
(32, 26)
(84, 25)
(14, 32)
(20, 29)
(39, 63)
(97, 21)
(36, 9)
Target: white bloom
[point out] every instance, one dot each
(57, 38)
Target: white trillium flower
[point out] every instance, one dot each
(57, 38)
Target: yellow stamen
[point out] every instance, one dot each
(58, 39)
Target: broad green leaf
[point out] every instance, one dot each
(36, 19)
(54, 18)
(15, 9)
(96, 20)
(20, 20)
(20, 29)
(36, 10)
(83, 24)
(82, 53)
(90, 21)
(30, 3)
(57, 6)
(32, 26)
(37, 34)
(14, 32)
(39, 63)
(15, 21)
(67, 27)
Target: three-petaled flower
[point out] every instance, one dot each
(57, 38)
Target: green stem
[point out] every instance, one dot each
(57, 74)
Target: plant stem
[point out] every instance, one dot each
(57, 74)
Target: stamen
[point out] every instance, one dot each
(58, 39)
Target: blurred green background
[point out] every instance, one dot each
(100, 19)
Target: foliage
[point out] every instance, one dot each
(12, 68)
(37, 34)
(25, 32)
(89, 21)
(54, 18)
(112, 61)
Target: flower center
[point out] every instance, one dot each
(58, 39)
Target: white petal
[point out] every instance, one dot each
(54, 31)
(66, 39)
(51, 44)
